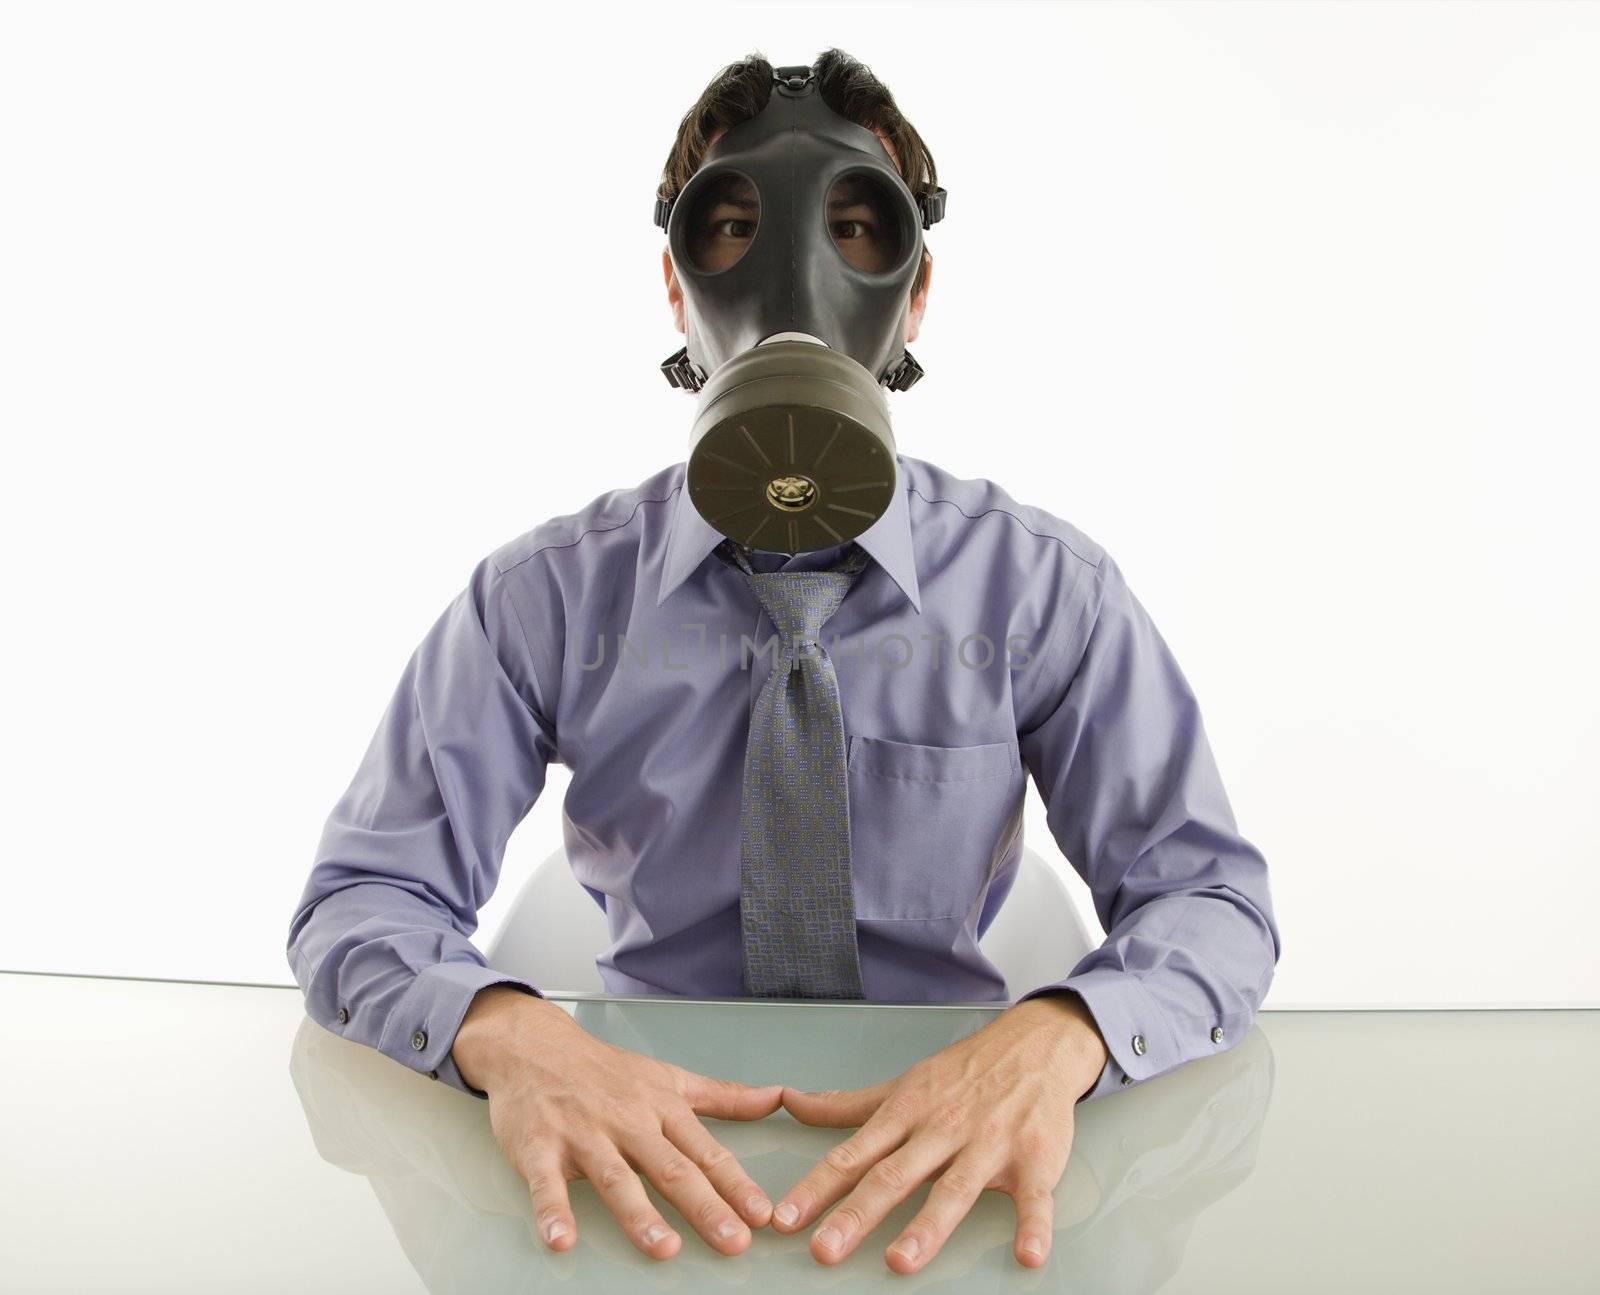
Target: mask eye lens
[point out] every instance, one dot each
(864, 223)
(723, 222)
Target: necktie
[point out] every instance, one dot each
(796, 901)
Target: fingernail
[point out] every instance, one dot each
(654, 1233)
(727, 1228)
(1032, 1246)
(830, 1238)
(786, 1213)
(756, 1204)
(555, 1230)
(908, 1248)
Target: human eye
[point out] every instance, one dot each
(723, 223)
(850, 230)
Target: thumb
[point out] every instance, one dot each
(727, 1099)
(836, 1108)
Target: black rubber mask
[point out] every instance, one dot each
(795, 244)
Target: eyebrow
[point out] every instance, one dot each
(855, 194)
(859, 198)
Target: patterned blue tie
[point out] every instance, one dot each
(796, 899)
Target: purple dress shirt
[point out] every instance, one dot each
(986, 640)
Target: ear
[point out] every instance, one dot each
(919, 303)
(674, 292)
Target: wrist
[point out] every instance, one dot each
(1066, 1018)
(485, 1046)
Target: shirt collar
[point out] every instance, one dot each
(887, 541)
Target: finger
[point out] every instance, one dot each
(726, 1099)
(552, 1209)
(949, 1201)
(680, 1180)
(719, 1165)
(836, 1108)
(624, 1195)
(838, 1171)
(1036, 1206)
(882, 1187)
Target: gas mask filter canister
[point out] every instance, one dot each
(795, 244)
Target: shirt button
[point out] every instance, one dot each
(1127, 1079)
(433, 1074)
(419, 1040)
(1216, 1034)
(344, 1015)
(1138, 1045)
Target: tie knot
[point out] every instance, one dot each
(799, 602)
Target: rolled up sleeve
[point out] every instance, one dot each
(379, 942)
(1134, 799)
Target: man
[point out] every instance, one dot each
(971, 641)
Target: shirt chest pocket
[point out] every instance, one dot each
(928, 824)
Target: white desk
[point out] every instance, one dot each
(170, 1137)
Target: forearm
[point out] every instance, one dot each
(1180, 978)
(383, 968)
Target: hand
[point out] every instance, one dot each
(993, 1110)
(564, 1104)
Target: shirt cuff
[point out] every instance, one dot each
(422, 1028)
(1139, 1044)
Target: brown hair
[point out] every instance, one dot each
(741, 90)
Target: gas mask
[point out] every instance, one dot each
(796, 244)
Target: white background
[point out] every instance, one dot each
(304, 308)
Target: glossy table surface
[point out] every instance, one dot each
(173, 1137)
